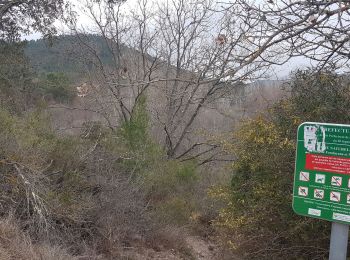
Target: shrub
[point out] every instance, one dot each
(56, 86)
(16, 78)
(258, 220)
(42, 178)
(104, 189)
(167, 184)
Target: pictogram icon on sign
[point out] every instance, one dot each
(336, 181)
(304, 176)
(320, 178)
(303, 191)
(318, 194)
(335, 196)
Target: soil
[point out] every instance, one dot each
(200, 249)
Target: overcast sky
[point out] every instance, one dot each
(277, 72)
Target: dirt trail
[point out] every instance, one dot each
(201, 249)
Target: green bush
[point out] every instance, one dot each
(163, 180)
(16, 78)
(258, 220)
(57, 86)
(175, 211)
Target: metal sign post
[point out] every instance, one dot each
(339, 241)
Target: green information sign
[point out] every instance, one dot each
(322, 172)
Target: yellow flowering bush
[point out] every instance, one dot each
(258, 220)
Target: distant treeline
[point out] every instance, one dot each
(60, 55)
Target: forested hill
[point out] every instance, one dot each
(60, 55)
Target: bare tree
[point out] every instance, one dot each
(117, 83)
(318, 30)
(183, 54)
(206, 55)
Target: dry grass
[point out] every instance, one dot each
(15, 244)
(169, 238)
